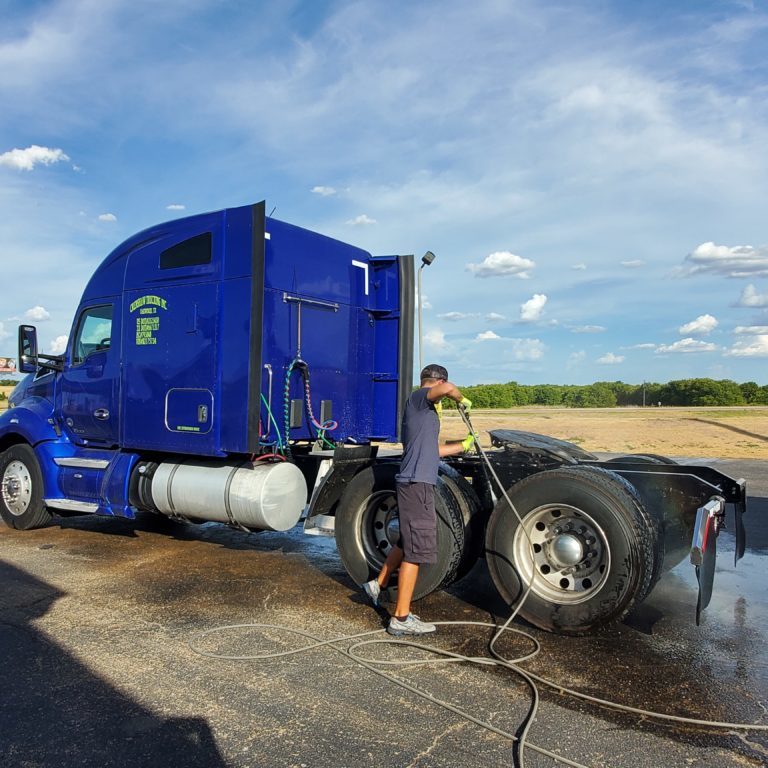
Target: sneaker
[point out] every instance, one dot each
(373, 590)
(412, 625)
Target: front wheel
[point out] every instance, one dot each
(587, 548)
(21, 489)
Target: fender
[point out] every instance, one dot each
(33, 423)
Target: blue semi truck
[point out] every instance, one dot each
(234, 368)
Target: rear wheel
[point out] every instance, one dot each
(367, 527)
(21, 489)
(473, 519)
(587, 547)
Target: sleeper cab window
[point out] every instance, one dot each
(94, 332)
(188, 253)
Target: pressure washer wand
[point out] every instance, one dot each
(484, 463)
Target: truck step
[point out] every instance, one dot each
(69, 505)
(320, 525)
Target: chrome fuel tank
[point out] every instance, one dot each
(257, 496)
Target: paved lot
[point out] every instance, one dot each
(95, 615)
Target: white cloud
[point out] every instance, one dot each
(531, 310)
(751, 329)
(575, 359)
(435, 338)
(523, 349)
(502, 264)
(323, 191)
(703, 324)
(58, 345)
(641, 346)
(107, 217)
(455, 317)
(580, 266)
(515, 349)
(27, 159)
(37, 314)
(3, 333)
(361, 220)
(751, 298)
(175, 207)
(610, 359)
(494, 317)
(731, 261)
(685, 346)
(756, 347)
(588, 329)
(632, 264)
(425, 303)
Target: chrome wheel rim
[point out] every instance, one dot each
(380, 525)
(17, 488)
(565, 557)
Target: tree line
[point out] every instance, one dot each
(608, 394)
(604, 394)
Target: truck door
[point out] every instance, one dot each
(90, 382)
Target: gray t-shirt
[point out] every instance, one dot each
(421, 427)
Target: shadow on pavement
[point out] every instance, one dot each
(55, 712)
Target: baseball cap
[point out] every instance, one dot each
(434, 371)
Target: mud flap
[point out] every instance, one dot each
(705, 573)
(741, 535)
(704, 549)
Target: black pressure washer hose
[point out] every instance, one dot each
(520, 742)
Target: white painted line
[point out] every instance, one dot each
(364, 267)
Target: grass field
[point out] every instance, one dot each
(692, 432)
(725, 433)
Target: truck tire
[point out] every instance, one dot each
(21, 489)
(472, 518)
(594, 548)
(656, 514)
(367, 527)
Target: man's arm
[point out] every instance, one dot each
(451, 449)
(446, 389)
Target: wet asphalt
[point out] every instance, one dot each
(96, 615)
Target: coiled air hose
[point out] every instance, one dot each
(301, 365)
(521, 742)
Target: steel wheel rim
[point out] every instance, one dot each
(17, 488)
(567, 559)
(380, 526)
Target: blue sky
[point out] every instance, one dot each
(593, 176)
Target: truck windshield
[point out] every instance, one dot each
(94, 332)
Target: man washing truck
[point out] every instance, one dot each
(229, 367)
(416, 496)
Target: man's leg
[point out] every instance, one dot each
(391, 564)
(406, 583)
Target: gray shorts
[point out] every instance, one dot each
(418, 522)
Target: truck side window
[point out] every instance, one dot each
(93, 333)
(188, 253)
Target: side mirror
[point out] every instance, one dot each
(28, 349)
